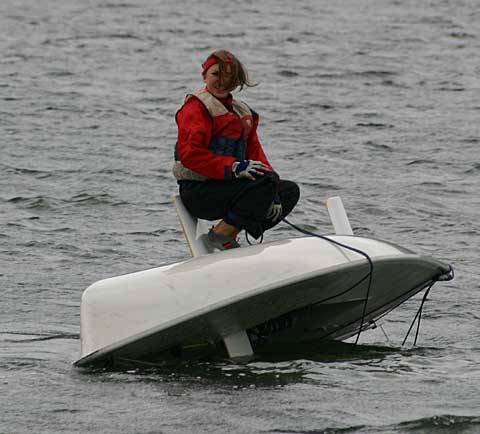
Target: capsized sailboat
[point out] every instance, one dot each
(247, 301)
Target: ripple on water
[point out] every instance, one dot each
(94, 199)
(447, 422)
(35, 202)
(474, 169)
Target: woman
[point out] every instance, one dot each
(220, 165)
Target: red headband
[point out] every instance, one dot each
(210, 62)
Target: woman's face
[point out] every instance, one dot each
(212, 80)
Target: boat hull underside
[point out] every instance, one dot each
(327, 306)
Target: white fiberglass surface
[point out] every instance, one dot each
(122, 306)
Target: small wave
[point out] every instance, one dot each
(350, 429)
(431, 184)
(57, 74)
(420, 161)
(45, 202)
(287, 73)
(377, 211)
(367, 115)
(318, 184)
(326, 76)
(386, 75)
(451, 89)
(116, 5)
(92, 37)
(374, 73)
(155, 233)
(154, 100)
(16, 336)
(26, 171)
(471, 140)
(113, 171)
(462, 35)
(452, 422)
(438, 19)
(230, 35)
(24, 363)
(392, 83)
(64, 108)
(322, 106)
(95, 199)
(121, 36)
(176, 31)
(475, 168)
(66, 410)
(374, 125)
(379, 146)
(62, 229)
(36, 202)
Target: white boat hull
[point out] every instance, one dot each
(311, 287)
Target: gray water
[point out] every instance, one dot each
(375, 101)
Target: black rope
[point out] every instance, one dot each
(418, 315)
(369, 275)
(444, 277)
(353, 249)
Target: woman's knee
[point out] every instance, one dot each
(262, 189)
(289, 195)
(290, 189)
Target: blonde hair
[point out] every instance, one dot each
(232, 73)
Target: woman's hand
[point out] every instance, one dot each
(249, 168)
(275, 211)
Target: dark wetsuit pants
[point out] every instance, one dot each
(240, 202)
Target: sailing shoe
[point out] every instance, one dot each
(221, 242)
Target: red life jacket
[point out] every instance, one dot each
(230, 130)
